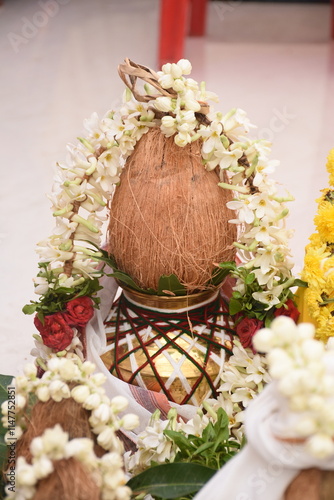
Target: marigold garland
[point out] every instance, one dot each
(319, 262)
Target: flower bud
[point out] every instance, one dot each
(176, 71)
(92, 401)
(168, 121)
(68, 370)
(102, 413)
(163, 104)
(43, 393)
(107, 439)
(178, 85)
(119, 403)
(123, 493)
(112, 461)
(37, 446)
(59, 390)
(306, 330)
(53, 364)
(284, 328)
(79, 448)
(312, 349)
(130, 421)
(263, 340)
(43, 467)
(80, 393)
(320, 446)
(185, 66)
(98, 378)
(306, 426)
(25, 473)
(20, 401)
(166, 81)
(182, 139)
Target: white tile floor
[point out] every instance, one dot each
(276, 61)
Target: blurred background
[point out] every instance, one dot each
(59, 63)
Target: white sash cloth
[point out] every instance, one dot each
(265, 466)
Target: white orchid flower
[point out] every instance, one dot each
(228, 158)
(245, 212)
(269, 297)
(262, 170)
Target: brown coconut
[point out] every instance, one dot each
(169, 216)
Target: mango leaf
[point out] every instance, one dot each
(172, 284)
(218, 276)
(127, 280)
(169, 481)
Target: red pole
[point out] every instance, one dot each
(198, 17)
(173, 29)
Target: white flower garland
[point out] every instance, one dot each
(60, 374)
(303, 369)
(54, 445)
(87, 181)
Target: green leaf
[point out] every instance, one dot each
(300, 283)
(63, 289)
(218, 276)
(229, 265)
(5, 381)
(171, 283)
(179, 439)
(235, 306)
(171, 481)
(125, 278)
(250, 278)
(203, 447)
(29, 308)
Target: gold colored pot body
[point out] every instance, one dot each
(186, 367)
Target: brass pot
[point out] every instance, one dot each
(186, 366)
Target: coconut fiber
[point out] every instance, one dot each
(169, 216)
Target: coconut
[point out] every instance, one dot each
(169, 216)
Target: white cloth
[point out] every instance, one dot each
(265, 467)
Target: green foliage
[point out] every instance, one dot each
(171, 481)
(197, 459)
(212, 449)
(220, 274)
(245, 302)
(171, 284)
(55, 298)
(168, 284)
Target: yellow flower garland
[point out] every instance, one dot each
(318, 269)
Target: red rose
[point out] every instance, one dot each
(79, 311)
(56, 332)
(246, 329)
(291, 311)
